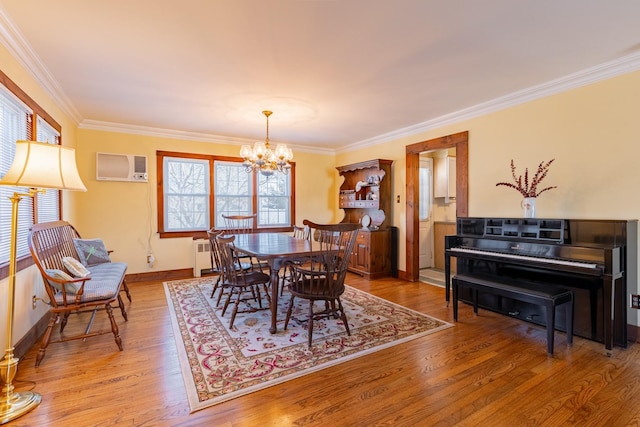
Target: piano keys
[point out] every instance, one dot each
(497, 256)
(594, 258)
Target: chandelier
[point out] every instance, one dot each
(261, 158)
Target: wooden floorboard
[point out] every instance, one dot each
(487, 370)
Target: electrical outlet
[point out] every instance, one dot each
(34, 302)
(635, 301)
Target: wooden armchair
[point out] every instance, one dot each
(52, 248)
(321, 276)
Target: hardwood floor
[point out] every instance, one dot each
(488, 370)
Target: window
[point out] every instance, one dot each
(20, 119)
(194, 191)
(233, 191)
(47, 204)
(186, 194)
(274, 195)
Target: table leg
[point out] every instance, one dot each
(274, 265)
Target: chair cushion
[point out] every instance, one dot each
(91, 251)
(71, 288)
(104, 283)
(75, 267)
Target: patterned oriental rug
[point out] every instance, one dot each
(219, 364)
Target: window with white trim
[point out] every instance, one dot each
(192, 201)
(14, 120)
(16, 124)
(274, 199)
(186, 194)
(233, 191)
(47, 203)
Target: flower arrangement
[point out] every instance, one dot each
(526, 188)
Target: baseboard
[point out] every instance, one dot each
(633, 332)
(183, 273)
(32, 336)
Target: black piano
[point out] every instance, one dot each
(594, 258)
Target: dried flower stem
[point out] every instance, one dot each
(529, 190)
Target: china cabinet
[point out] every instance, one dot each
(365, 196)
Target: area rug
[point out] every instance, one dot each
(219, 364)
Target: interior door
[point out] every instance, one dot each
(425, 228)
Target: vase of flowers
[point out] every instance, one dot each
(529, 187)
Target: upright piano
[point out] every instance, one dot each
(596, 259)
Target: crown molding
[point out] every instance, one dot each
(186, 136)
(12, 39)
(623, 65)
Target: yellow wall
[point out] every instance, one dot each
(593, 132)
(124, 214)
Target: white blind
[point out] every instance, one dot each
(48, 203)
(14, 120)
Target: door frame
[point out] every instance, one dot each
(461, 143)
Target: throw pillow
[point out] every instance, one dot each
(75, 267)
(61, 275)
(91, 251)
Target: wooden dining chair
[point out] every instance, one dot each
(243, 224)
(321, 276)
(239, 224)
(302, 233)
(215, 263)
(237, 280)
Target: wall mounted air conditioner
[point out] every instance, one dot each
(121, 167)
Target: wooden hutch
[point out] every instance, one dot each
(365, 196)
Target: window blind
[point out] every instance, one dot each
(15, 119)
(48, 203)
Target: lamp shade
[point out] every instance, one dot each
(42, 165)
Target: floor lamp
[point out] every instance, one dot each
(36, 166)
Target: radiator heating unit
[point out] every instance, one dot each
(201, 256)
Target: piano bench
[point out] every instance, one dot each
(544, 295)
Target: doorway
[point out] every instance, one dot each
(460, 142)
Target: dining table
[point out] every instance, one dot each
(276, 249)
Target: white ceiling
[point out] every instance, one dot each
(336, 73)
